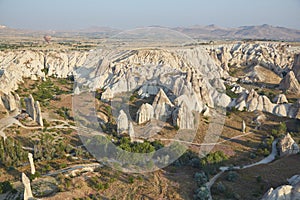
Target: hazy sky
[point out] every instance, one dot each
(77, 14)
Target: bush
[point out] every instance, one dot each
(214, 158)
(221, 187)
(202, 193)
(5, 187)
(259, 179)
(232, 176)
(131, 179)
(201, 178)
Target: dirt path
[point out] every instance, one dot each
(266, 160)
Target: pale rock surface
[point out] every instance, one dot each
(107, 95)
(162, 106)
(39, 118)
(290, 84)
(280, 99)
(27, 192)
(33, 109)
(296, 66)
(122, 122)
(30, 108)
(32, 167)
(272, 56)
(244, 126)
(285, 192)
(254, 102)
(147, 90)
(145, 113)
(288, 146)
(294, 111)
(131, 132)
(11, 102)
(183, 117)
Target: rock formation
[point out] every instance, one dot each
(147, 90)
(38, 111)
(271, 56)
(244, 126)
(290, 84)
(11, 102)
(32, 167)
(145, 113)
(30, 108)
(27, 192)
(296, 66)
(122, 122)
(288, 146)
(280, 99)
(131, 132)
(285, 192)
(107, 95)
(183, 117)
(34, 110)
(162, 106)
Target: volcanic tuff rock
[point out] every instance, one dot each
(10, 102)
(162, 106)
(287, 146)
(122, 122)
(272, 56)
(280, 99)
(30, 108)
(188, 73)
(252, 101)
(27, 192)
(285, 192)
(183, 118)
(34, 110)
(32, 167)
(145, 113)
(290, 84)
(296, 66)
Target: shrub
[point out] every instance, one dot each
(202, 193)
(232, 176)
(221, 187)
(5, 187)
(200, 178)
(259, 179)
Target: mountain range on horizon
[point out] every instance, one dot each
(209, 32)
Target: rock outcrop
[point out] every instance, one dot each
(244, 126)
(290, 84)
(30, 108)
(271, 56)
(34, 110)
(107, 95)
(162, 106)
(183, 117)
(288, 146)
(27, 191)
(285, 192)
(296, 66)
(38, 111)
(252, 101)
(131, 131)
(10, 102)
(32, 167)
(122, 122)
(280, 99)
(145, 113)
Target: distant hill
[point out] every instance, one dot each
(210, 32)
(264, 31)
